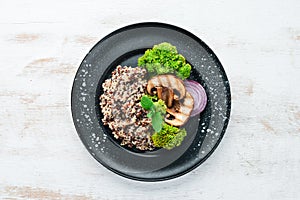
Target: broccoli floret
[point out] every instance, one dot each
(152, 97)
(169, 137)
(160, 106)
(165, 47)
(184, 71)
(164, 58)
(176, 140)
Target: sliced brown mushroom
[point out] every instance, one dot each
(165, 94)
(169, 97)
(167, 81)
(176, 105)
(159, 91)
(178, 117)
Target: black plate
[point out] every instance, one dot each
(124, 46)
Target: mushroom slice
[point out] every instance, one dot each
(169, 98)
(177, 119)
(181, 115)
(159, 92)
(168, 81)
(165, 94)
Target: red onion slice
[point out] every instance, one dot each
(199, 95)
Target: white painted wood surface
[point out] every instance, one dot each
(42, 44)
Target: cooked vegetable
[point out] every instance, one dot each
(177, 140)
(179, 114)
(153, 97)
(166, 94)
(168, 81)
(157, 110)
(164, 58)
(172, 91)
(160, 106)
(169, 137)
(199, 95)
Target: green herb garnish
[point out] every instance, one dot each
(146, 102)
(157, 110)
(157, 121)
(164, 58)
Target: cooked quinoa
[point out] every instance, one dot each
(121, 108)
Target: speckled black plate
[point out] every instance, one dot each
(124, 46)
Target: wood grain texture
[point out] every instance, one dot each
(42, 44)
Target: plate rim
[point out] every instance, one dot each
(208, 49)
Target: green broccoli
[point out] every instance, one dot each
(169, 137)
(164, 58)
(160, 106)
(176, 140)
(153, 98)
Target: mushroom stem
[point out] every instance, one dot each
(159, 92)
(169, 98)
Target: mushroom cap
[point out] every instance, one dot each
(168, 81)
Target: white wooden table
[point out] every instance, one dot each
(42, 44)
